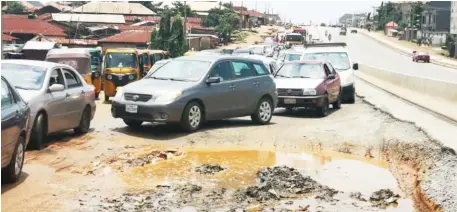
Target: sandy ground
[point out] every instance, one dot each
(359, 158)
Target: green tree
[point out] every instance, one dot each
(170, 37)
(14, 7)
(212, 20)
(416, 14)
(225, 20)
(154, 42)
(178, 44)
(183, 10)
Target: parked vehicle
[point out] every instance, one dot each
(15, 132)
(343, 32)
(294, 39)
(354, 31)
(337, 55)
(260, 49)
(157, 65)
(309, 84)
(96, 69)
(242, 51)
(193, 89)
(423, 56)
(122, 66)
(271, 64)
(78, 58)
(156, 55)
(58, 96)
(146, 59)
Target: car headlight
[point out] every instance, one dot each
(131, 77)
(109, 77)
(309, 92)
(168, 97)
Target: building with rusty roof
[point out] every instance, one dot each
(25, 28)
(120, 8)
(126, 39)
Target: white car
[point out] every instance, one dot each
(337, 55)
(270, 63)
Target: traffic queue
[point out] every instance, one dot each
(59, 93)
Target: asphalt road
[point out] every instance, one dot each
(369, 52)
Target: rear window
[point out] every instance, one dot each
(294, 38)
(293, 57)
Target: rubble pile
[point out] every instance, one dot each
(209, 169)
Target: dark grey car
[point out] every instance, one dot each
(193, 89)
(15, 132)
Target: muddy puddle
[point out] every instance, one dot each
(233, 180)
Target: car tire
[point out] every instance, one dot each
(325, 109)
(192, 117)
(39, 133)
(106, 98)
(97, 95)
(13, 171)
(84, 123)
(133, 123)
(263, 112)
(337, 103)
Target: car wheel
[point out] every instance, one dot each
(337, 104)
(133, 123)
(12, 172)
(324, 110)
(106, 98)
(97, 95)
(192, 117)
(84, 123)
(264, 112)
(39, 132)
(428, 61)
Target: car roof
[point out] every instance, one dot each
(215, 58)
(44, 64)
(306, 62)
(325, 49)
(259, 57)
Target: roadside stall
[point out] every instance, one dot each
(37, 50)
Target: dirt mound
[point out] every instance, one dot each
(281, 181)
(125, 161)
(209, 169)
(383, 198)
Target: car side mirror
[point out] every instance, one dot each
(331, 76)
(355, 66)
(213, 80)
(56, 88)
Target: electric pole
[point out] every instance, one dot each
(185, 20)
(242, 18)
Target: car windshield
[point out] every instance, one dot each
(95, 57)
(145, 59)
(156, 66)
(31, 77)
(293, 57)
(339, 60)
(294, 38)
(182, 70)
(158, 56)
(121, 60)
(296, 70)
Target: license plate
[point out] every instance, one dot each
(131, 108)
(290, 101)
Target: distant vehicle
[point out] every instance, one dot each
(58, 96)
(337, 55)
(15, 132)
(193, 89)
(243, 51)
(423, 56)
(261, 49)
(294, 39)
(354, 31)
(308, 84)
(287, 56)
(343, 32)
(270, 63)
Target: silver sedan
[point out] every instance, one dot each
(58, 97)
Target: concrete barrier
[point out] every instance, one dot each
(442, 89)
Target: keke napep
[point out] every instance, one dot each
(121, 66)
(78, 58)
(96, 68)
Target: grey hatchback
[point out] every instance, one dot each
(193, 89)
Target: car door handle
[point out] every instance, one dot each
(67, 95)
(82, 92)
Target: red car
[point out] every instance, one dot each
(308, 84)
(423, 56)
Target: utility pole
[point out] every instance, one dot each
(241, 24)
(185, 21)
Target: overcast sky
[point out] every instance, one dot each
(316, 11)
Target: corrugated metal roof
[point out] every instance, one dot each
(204, 6)
(88, 18)
(21, 25)
(38, 45)
(83, 42)
(123, 8)
(143, 23)
(128, 37)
